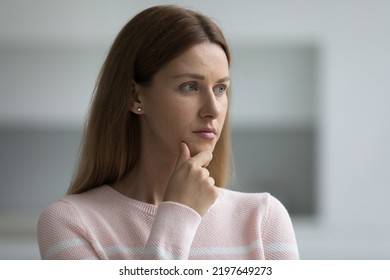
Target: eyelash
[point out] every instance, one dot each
(195, 88)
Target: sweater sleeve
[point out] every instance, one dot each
(61, 234)
(278, 233)
(172, 233)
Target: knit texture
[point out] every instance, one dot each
(104, 224)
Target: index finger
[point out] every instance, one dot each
(184, 154)
(203, 158)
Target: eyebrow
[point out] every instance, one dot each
(200, 77)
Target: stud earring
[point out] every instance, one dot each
(139, 109)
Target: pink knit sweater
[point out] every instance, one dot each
(104, 224)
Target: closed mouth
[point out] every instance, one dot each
(206, 130)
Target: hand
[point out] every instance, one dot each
(190, 183)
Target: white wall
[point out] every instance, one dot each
(352, 102)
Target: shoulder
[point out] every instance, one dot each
(263, 204)
(69, 207)
(56, 224)
(93, 197)
(60, 212)
(262, 199)
(66, 225)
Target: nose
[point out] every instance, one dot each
(210, 105)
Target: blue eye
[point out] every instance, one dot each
(189, 87)
(220, 89)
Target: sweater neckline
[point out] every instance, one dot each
(147, 208)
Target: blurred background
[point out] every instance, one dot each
(310, 111)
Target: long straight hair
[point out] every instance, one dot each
(111, 141)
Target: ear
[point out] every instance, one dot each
(136, 101)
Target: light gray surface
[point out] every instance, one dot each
(36, 166)
(279, 161)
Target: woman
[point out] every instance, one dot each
(155, 154)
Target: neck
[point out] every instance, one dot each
(148, 180)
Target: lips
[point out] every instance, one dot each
(207, 132)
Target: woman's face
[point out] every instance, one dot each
(186, 101)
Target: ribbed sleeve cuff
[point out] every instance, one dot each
(173, 231)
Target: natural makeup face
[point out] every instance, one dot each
(186, 101)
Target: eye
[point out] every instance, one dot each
(219, 89)
(190, 87)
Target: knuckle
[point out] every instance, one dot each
(190, 165)
(205, 173)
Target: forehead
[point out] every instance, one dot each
(206, 59)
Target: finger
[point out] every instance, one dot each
(211, 181)
(205, 173)
(184, 154)
(203, 158)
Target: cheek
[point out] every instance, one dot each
(170, 117)
(224, 109)
(173, 111)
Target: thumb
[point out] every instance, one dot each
(184, 154)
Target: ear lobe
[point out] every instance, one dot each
(136, 103)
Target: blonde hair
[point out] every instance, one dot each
(111, 140)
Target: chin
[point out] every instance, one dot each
(197, 148)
